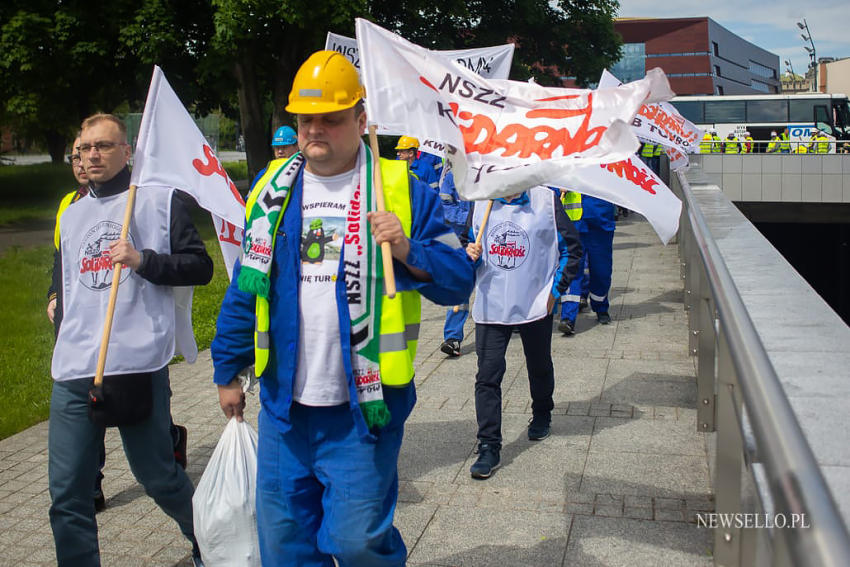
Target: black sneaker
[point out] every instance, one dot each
(603, 317)
(582, 304)
(539, 427)
(567, 327)
(451, 347)
(180, 446)
(488, 460)
(99, 498)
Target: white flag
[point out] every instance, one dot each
(502, 137)
(172, 152)
(661, 123)
(491, 62)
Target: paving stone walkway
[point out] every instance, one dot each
(617, 483)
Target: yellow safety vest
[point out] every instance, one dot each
(822, 145)
(400, 316)
(802, 149)
(647, 150)
(572, 204)
(731, 146)
(63, 204)
(747, 146)
(716, 146)
(705, 145)
(773, 146)
(784, 144)
(659, 149)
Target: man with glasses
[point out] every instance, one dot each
(162, 250)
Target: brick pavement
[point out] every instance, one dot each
(617, 483)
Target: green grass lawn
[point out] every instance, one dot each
(31, 193)
(27, 334)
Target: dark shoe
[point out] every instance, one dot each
(451, 347)
(539, 427)
(582, 305)
(603, 318)
(488, 461)
(567, 327)
(99, 499)
(180, 446)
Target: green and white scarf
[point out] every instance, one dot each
(363, 271)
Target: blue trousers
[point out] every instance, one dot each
(73, 446)
(453, 329)
(322, 491)
(599, 247)
(577, 290)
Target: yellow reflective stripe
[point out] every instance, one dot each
(63, 204)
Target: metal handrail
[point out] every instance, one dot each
(796, 482)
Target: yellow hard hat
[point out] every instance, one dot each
(326, 82)
(407, 143)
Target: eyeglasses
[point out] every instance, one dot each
(101, 147)
(74, 158)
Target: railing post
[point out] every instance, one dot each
(692, 295)
(706, 346)
(730, 450)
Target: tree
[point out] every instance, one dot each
(59, 62)
(261, 44)
(569, 37)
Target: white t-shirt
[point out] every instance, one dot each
(320, 375)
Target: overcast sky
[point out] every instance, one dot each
(769, 24)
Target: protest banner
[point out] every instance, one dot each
(502, 137)
(660, 123)
(491, 62)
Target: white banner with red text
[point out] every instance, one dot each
(661, 123)
(172, 152)
(502, 137)
(491, 62)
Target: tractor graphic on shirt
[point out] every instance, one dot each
(314, 241)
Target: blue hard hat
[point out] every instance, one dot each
(284, 136)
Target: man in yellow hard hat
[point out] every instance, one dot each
(333, 352)
(407, 149)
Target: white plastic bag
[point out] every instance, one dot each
(224, 502)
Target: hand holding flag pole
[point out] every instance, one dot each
(386, 252)
(113, 293)
(480, 235)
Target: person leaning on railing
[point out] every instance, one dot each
(773, 146)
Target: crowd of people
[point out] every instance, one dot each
(779, 143)
(307, 309)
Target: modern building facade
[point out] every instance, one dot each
(699, 56)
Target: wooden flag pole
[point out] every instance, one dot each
(113, 293)
(386, 252)
(480, 235)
